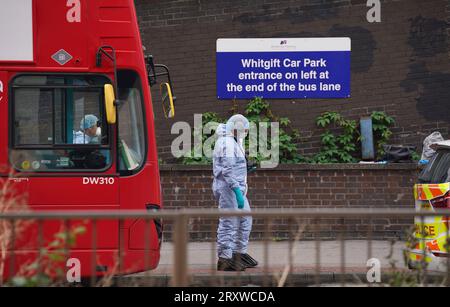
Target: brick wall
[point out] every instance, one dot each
(399, 66)
(302, 186)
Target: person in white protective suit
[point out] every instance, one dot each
(230, 190)
(90, 132)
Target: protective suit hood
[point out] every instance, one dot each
(221, 130)
(237, 122)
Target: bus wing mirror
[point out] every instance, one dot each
(167, 100)
(151, 72)
(110, 106)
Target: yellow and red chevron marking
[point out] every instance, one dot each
(430, 191)
(433, 245)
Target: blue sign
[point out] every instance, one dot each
(283, 68)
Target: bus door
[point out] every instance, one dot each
(63, 149)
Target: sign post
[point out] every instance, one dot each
(283, 68)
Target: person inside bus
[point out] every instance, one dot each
(230, 190)
(90, 132)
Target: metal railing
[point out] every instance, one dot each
(298, 221)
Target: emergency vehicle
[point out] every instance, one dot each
(429, 246)
(61, 60)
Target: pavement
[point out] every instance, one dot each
(202, 256)
(274, 269)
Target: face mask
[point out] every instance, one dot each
(241, 142)
(241, 135)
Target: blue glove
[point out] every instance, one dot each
(423, 162)
(239, 198)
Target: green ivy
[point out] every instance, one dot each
(207, 117)
(415, 156)
(256, 111)
(341, 136)
(337, 147)
(381, 131)
(340, 140)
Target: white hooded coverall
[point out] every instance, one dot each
(230, 171)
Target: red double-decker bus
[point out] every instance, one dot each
(77, 126)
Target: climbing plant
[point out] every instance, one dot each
(338, 140)
(207, 117)
(341, 136)
(381, 130)
(257, 111)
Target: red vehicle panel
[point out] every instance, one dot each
(41, 105)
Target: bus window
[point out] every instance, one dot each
(58, 124)
(33, 121)
(132, 146)
(86, 121)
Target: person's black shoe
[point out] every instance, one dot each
(245, 259)
(224, 264)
